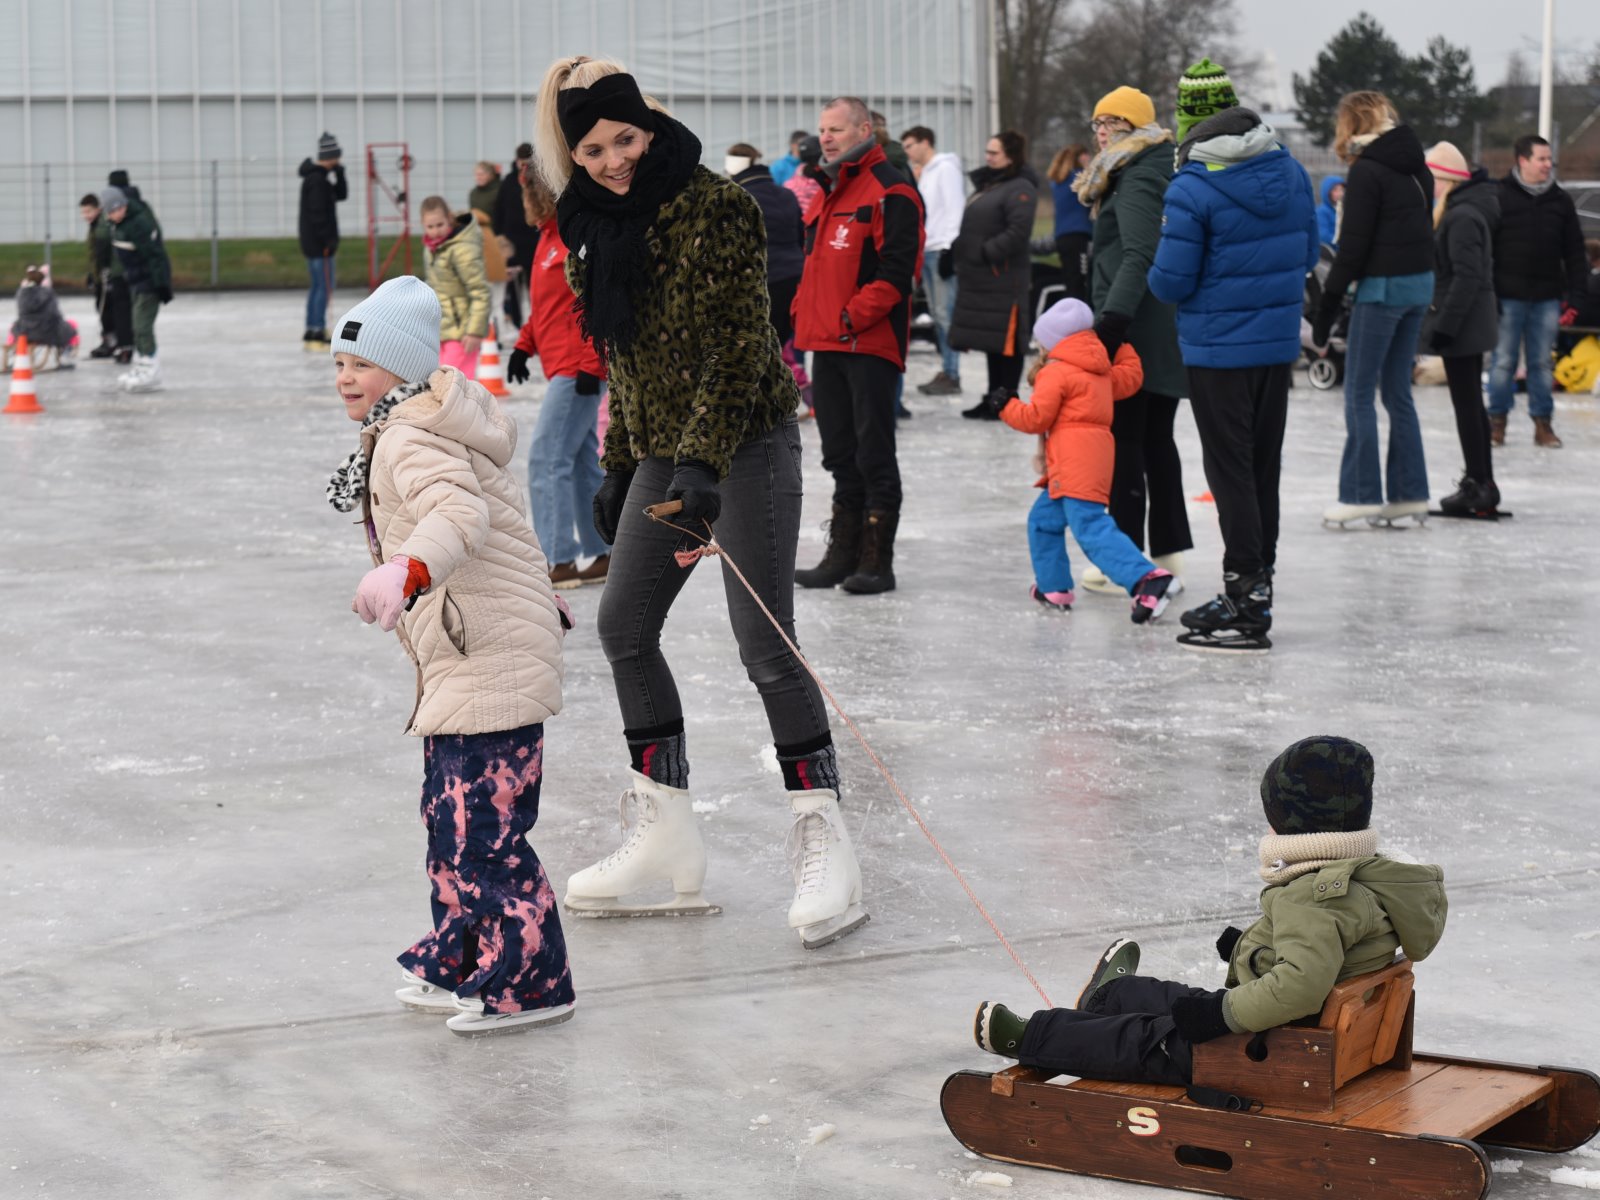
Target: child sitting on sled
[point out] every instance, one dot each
(40, 320)
(1333, 908)
(1075, 384)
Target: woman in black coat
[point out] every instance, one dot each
(1463, 322)
(780, 211)
(993, 267)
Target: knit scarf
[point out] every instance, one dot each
(1234, 135)
(1286, 856)
(1095, 180)
(348, 483)
(1533, 189)
(607, 234)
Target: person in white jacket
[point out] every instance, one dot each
(944, 195)
(459, 574)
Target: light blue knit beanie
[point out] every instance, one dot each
(396, 328)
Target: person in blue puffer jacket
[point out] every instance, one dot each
(1328, 211)
(1238, 236)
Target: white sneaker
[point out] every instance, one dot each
(146, 378)
(827, 878)
(472, 1020)
(1173, 565)
(663, 846)
(1094, 580)
(423, 996)
(1340, 514)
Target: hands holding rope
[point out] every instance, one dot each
(692, 496)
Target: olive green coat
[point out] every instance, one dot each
(1126, 234)
(704, 374)
(1329, 925)
(455, 272)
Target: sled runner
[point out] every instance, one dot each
(1342, 1108)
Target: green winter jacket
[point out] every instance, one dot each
(455, 271)
(1126, 234)
(1327, 926)
(704, 374)
(140, 250)
(103, 264)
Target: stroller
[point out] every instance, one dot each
(1325, 367)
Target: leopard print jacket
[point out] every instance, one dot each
(705, 374)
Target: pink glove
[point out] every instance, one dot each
(381, 597)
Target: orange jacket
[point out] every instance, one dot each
(1071, 406)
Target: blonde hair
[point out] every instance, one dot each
(538, 204)
(437, 204)
(1037, 365)
(1065, 162)
(552, 157)
(1361, 113)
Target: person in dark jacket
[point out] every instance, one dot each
(1462, 323)
(518, 239)
(1386, 248)
(993, 266)
(105, 278)
(136, 237)
(1073, 225)
(863, 252)
(1538, 263)
(322, 187)
(1328, 211)
(1238, 236)
(485, 193)
(1123, 187)
(786, 252)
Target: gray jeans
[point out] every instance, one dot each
(759, 527)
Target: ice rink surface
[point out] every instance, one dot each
(212, 850)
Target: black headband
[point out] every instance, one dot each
(612, 98)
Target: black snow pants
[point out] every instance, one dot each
(1125, 1033)
(1240, 413)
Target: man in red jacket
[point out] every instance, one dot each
(853, 311)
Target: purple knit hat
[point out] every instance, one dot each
(1061, 320)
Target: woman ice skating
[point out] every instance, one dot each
(1463, 322)
(454, 247)
(1386, 249)
(459, 575)
(1123, 187)
(669, 265)
(1074, 387)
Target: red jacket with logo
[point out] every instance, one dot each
(863, 254)
(552, 327)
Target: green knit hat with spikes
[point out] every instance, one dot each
(1203, 91)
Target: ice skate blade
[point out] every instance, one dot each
(820, 933)
(1419, 520)
(476, 1024)
(438, 1007)
(1235, 646)
(1491, 514)
(599, 907)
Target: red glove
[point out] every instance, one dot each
(1569, 315)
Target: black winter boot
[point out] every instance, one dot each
(876, 572)
(842, 555)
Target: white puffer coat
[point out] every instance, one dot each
(486, 635)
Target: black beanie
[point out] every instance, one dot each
(1319, 785)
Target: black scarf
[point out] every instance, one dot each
(606, 232)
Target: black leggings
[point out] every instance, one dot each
(1147, 465)
(1005, 371)
(1464, 374)
(1074, 251)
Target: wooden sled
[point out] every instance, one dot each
(1345, 1110)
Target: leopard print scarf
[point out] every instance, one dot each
(348, 483)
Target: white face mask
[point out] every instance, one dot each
(735, 163)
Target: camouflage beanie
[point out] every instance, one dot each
(1319, 785)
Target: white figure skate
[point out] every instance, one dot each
(1344, 515)
(1397, 510)
(423, 996)
(827, 878)
(663, 846)
(144, 377)
(472, 1021)
(1094, 580)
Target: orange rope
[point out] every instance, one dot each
(709, 546)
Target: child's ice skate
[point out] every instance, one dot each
(1055, 601)
(663, 846)
(1399, 510)
(827, 878)
(1236, 621)
(997, 1029)
(472, 1021)
(1120, 959)
(422, 996)
(1150, 596)
(1345, 515)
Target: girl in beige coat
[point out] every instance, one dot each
(459, 574)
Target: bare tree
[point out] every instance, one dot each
(1029, 33)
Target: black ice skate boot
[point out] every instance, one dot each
(876, 571)
(1472, 499)
(1236, 621)
(843, 554)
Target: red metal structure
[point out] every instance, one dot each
(388, 208)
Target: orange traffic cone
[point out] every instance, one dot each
(489, 372)
(24, 399)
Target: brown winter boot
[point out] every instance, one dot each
(1497, 429)
(1544, 435)
(876, 572)
(842, 555)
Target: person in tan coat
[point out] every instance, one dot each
(454, 248)
(459, 575)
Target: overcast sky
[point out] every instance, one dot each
(1294, 31)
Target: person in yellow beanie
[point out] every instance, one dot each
(1123, 187)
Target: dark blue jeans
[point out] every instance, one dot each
(1382, 347)
(323, 281)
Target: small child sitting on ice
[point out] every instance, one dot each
(40, 320)
(1333, 908)
(1074, 386)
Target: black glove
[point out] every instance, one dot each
(996, 399)
(1112, 330)
(1229, 939)
(608, 502)
(588, 385)
(947, 261)
(1441, 341)
(164, 293)
(88, 280)
(517, 367)
(696, 485)
(1322, 324)
(1199, 1018)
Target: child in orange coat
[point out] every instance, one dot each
(1074, 386)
